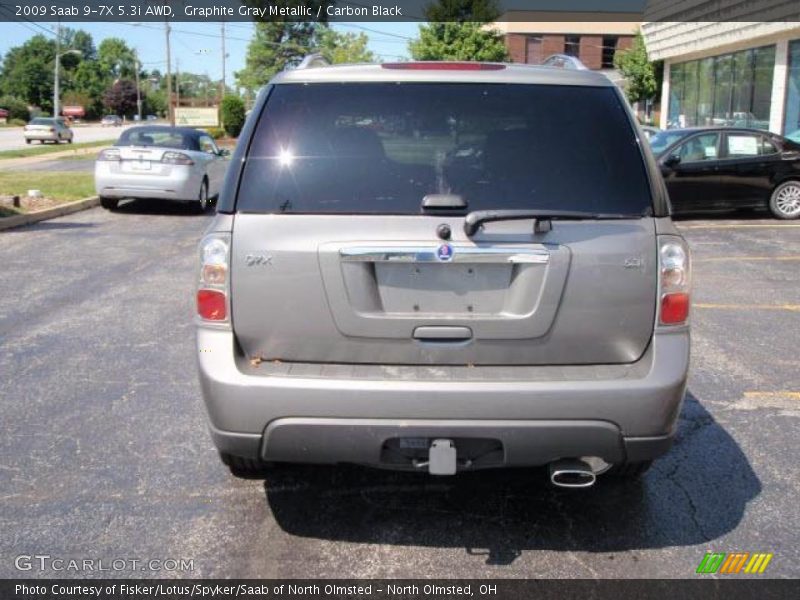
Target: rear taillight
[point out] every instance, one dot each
(176, 158)
(211, 305)
(212, 292)
(444, 66)
(109, 154)
(675, 281)
(52, 130)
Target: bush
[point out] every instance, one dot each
(17, 122)
(232, 115)
(215, 132)
(17, 109)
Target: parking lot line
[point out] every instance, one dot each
(741, 258)
(781, 394)
(740, 226)
(789, 307)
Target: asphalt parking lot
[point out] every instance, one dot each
(105, 453)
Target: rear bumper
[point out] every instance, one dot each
(44, 137)
(315, 414)
(181, 184)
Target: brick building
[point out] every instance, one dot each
(593, 42)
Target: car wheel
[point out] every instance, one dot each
(629, 470)
(109, 203)
(245, 467)
(785, 200)
(27, 141)
(201, 204)
(69, 140)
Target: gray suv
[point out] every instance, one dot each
(441, 267)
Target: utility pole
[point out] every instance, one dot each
(177, 85)
(170, 112)
(56, 82)
(138, 91)
(222, 86)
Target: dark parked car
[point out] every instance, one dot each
(729, 168)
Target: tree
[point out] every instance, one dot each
(274, 47)
(233, 115)
(92, 80)
(641, 77)
(339, 47)
(483, 11)
(116, 58)
(457, 31)
(120, 98)
(16, 107)
(28, 71)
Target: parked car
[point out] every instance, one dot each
(167, 163)
(713, 169)
(406, 301)
(151, 118)
(47, 129)
(111, 121)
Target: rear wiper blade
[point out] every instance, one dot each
(542, 218)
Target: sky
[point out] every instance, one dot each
(197, 46)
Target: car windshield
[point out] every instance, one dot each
(664, 139)
(159, 138)
(380, 148)
(40, 121)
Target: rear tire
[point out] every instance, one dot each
(785, 200)
(245, 467)
(629, 471)
(109, 203)
(201, 204)
(27, 141)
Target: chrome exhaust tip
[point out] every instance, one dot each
(571, 473)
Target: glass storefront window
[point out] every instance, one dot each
(705, 95)
(675, 112)
(764, 64)
(727, 90)
(791, 126)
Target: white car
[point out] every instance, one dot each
(47, 130)
(161, 162)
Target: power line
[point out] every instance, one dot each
(390, 34)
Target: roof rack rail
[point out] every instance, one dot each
(564, 61)
(313, 61)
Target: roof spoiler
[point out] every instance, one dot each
(564, 61)
(313, 61)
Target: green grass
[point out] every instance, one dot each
(59, 185)
(37, 149)
(87, 156)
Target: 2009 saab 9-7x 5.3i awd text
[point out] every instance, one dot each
(443, 267)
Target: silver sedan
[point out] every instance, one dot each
(161, 162)
(47, 130)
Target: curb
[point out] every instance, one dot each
(49, 213)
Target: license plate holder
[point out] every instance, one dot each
(140, 165)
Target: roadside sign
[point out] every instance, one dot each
(197, 117)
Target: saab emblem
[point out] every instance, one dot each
(444, 253)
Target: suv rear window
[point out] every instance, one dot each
(380, 148)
